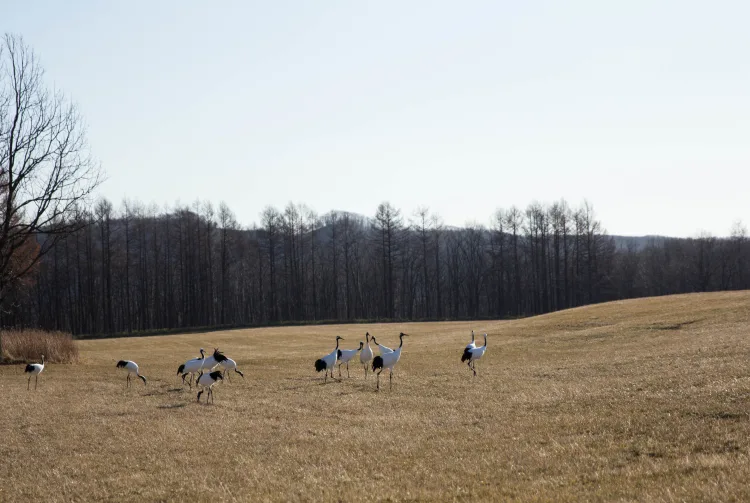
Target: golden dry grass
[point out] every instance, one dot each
(639, 400)
(27, 345)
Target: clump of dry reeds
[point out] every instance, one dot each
(27, 345)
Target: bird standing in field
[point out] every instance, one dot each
(228, 364)
(347, 354)
(329, 361)
(465, 357)
(365, 356)
(471, 355)
(191, 367)
(132, 368)
(34, 369)
(388, 361)
(207, 381)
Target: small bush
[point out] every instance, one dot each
(28, 345)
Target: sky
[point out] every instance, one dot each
(641, 107)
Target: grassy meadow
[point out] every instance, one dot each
(644, 400)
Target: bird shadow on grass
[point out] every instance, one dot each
(172, 406)
(332, 381)
(161, 391)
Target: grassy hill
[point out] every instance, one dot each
(646, 399)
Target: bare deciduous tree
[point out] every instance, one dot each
(45, 167)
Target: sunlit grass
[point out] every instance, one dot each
(639, 400)
(29, 345)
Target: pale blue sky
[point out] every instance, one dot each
(641, 107)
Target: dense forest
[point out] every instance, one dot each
(136, 268)
(139, 268)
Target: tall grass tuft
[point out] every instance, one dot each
(28, 345)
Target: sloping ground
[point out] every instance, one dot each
(637, 400)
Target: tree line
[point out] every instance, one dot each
(96, 270)
(140, 268)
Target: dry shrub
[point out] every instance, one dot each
(28, 346)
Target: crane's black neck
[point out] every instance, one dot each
(485, 340)
(401, 336)
(361, 345)
(337, 342)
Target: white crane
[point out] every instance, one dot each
(207, 381)
(34, 369)
(471, 355)
(228, 364)
(469, 347)
(383, 349)
(345, 355)
(365, 356)
(132, 368)
(388, 360)
(328, 361)
(192, 367)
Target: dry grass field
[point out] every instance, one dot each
(643, 400)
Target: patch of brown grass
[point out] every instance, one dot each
(23, 346)
(645, 400)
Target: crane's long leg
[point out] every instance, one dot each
(347, 370)
(339, 371)
(365, 371)
(28, 385)
(390, 379)
(36, 381)
(379, 378)
(474, 368)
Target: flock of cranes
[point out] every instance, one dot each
(195, 367)
(388, 357)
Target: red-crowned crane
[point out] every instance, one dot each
(34, 369)
(471, 355)
(207, 381)
(191, 367)
(388, 361)
(345, 355)
(132, 368)
(365, 356)
(328, 361)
